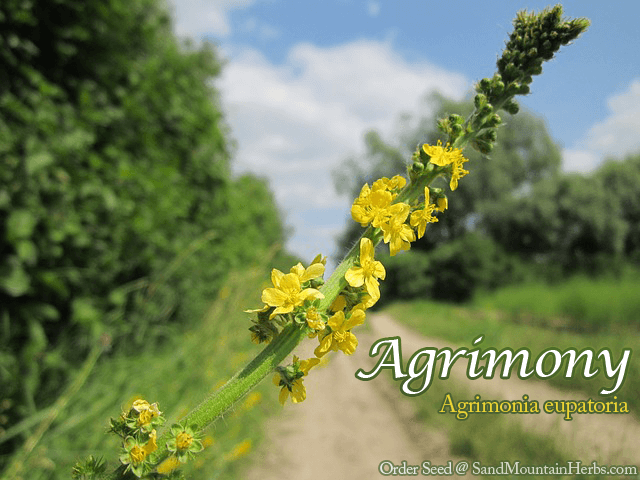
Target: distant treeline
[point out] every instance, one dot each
(515, 217)
(118, 214)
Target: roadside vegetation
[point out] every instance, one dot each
(538, 317)
(178, 375)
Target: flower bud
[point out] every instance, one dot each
(493, 121)
(511, 107)
(417, 167)
(480, 100)
(482, 146)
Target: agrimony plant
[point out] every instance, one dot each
(302, 304)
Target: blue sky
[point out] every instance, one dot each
(304, 80)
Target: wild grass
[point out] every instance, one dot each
(177, 376)
(488, 439)
(460, 325)
(581, 304)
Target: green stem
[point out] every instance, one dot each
(281, 346)
(273, 354)
(241, 383)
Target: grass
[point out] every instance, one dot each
(536, 317)
(581, 304)
(177, 376)
(460, 325)
(489, 439)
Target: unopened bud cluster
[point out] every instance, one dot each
(534, 40)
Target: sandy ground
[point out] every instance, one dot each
(346, 427)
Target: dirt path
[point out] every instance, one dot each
(346, 428)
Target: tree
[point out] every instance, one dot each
(524, 155)
(621, 179)
(565, 224)
(117, 211)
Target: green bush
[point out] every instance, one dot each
(581, 304)
(451, 272)
(117, 211)
(407, 276)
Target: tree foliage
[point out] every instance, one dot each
(523, 155)
(515, 208)
(117, 211)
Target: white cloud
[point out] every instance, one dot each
(373, 8)
(574, 160)
(195, 18)
(296, 121)
(619, 133)
(615, 136)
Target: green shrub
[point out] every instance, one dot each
(450, 272)
(117, 211)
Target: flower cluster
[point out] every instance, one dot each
(137, 427)
(375, 206)
(295, 298)
(446, 157)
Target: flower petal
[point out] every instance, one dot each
(355, 276)
(273, 297)
(315, 270)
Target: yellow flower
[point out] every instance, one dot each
(238, 451)
(396, 182)
(296, 390)
(314, 319)
(457, 172)
(146, 412)
(208, 441)
(151, 446)
(368, 272)
(313, 271)
(367, 301)
(287, 292)
(169, 465)
(139, 405)
(442, 156)
(396, 233)
(371, 206)
(184, 440)
(252, 400)
(137, 454)
(420, 218)
(341, 337)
